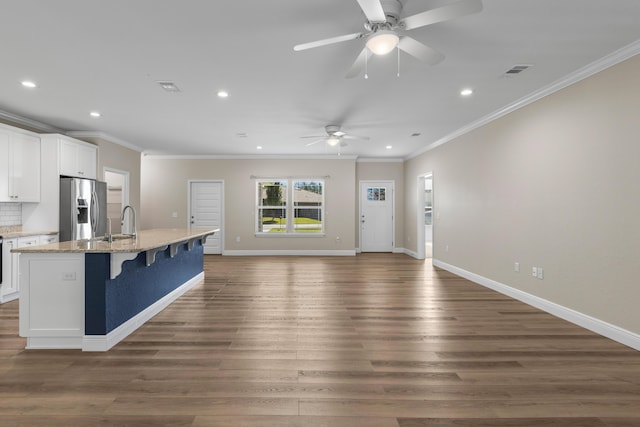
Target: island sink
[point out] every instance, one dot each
(91, 294)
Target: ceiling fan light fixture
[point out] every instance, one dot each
(382, 42)
(333, 141)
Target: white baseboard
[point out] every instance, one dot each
(407, 252)
(598, 326)
(105, 342)
(56, 343)
(285, 252)
(9, 297)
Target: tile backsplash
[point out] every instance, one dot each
(10, 214)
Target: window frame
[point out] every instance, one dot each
(289, 207)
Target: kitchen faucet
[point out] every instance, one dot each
(133, 211)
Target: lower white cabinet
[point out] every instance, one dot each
(10, 287)
(45, 239)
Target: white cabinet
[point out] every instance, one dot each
(19, 166)
(25, 242)
(45, 239)
(9, 287)
(77, 158)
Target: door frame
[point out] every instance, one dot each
(125, 191)
(208, 181)
(420, 238)
(392, 183)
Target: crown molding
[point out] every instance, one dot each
(589, 70)
(105, 137)
(32, 124)
(379, 160)
(245, 157)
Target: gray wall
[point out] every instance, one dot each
(554, 184)
(383, 171)
(114, 156)
(165, 183)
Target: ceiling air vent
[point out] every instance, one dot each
(169, 86)
(516, 69)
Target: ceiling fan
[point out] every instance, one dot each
(384, 26)
(334, 137)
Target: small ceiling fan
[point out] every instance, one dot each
(334, 137)
(384, 27)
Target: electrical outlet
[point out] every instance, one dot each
(534, 271)
(69, 275)
(540, 273)
(237, 239)
(516, 267)
(174, 214)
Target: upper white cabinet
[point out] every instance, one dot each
(19, 166)
(77, 158)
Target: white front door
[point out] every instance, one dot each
(205, 211)
(376, 216)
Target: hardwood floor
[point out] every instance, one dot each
(377, 340)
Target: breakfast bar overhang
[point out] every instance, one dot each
(90, 295)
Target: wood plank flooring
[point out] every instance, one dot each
(376, 340)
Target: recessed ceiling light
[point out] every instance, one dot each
(389, 147)
(466, 92)
(29, 84)
(223, 94)
(259, 147)
(95, 114)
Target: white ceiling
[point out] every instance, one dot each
(108, 56)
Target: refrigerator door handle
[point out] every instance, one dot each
(95, 213)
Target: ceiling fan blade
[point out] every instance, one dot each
(356, 137)
(325, 42)
(373, 10)
(313, 136)
(358, 64)
(316, 141)
(440, 14)
(420, 51)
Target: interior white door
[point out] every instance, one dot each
(376, 216)
(206, 211)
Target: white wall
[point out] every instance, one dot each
(554, 184)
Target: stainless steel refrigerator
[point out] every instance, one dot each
(83, 209)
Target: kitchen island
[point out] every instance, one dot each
(90, 295)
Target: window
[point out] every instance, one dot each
(279, 200)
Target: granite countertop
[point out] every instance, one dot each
(146, 240)
(12, 232)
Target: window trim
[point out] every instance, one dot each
(289, 208)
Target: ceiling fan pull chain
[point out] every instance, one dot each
(398, 49)
(366, 66)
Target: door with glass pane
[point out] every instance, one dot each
(376, 216)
